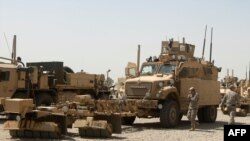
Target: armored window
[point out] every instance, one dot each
(182, 48)
(166, 68)
(190, 49)
(165, 50)
(4, 76)
(132, 71)
(188, 72)
(148, 69)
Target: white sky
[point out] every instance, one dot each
(97, 35)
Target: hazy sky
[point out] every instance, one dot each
(97, 35)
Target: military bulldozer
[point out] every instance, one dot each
(161, 86)
(93, 118)
(47, 82)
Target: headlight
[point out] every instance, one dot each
(160, 106)
(147, 94)
(18, 118)
(160, 84)
(171, 81)
(159, 93)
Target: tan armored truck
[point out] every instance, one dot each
(161, 86)
(47, 82)
(243, 89)
(227, 81)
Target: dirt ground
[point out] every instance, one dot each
(150, 130)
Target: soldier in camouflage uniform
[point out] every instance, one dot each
(231, 100)
(193, 99)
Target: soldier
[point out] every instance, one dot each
(193, 99)
(231, 99)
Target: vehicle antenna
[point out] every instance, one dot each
(204, 43)
(211, 45)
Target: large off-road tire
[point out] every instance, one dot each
(44, 99)
(128, 120)
(169, 115)
(207, 114)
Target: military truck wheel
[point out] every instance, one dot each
(128, 120)
(210, 114)
(169, 115)
(44, 99)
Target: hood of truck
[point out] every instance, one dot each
(151, 78)
(138, 87)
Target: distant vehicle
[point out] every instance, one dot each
(242, 88)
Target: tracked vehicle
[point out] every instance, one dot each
(93, 118)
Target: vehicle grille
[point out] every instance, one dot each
(135, 89)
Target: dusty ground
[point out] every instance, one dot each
(150, 130)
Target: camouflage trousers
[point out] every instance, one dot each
(191, 115)
(232, 113)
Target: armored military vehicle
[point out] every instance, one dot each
(242, 88)
(161, 86)
(227, 81)
(47, 82)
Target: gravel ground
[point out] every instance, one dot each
(150, 130)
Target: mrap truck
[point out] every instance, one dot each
(161, 86)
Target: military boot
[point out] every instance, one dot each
(192, 128)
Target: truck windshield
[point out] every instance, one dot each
(167, 68)
(148, 69)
